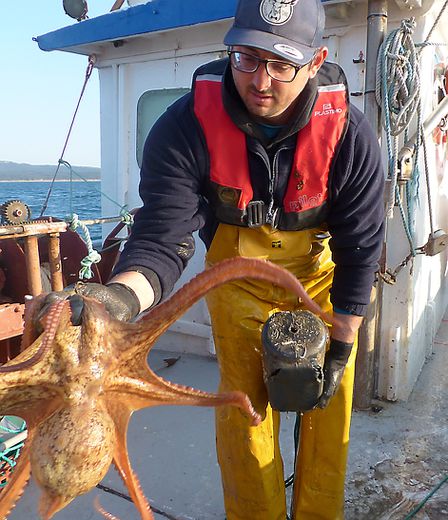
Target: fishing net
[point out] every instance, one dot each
(12, 436)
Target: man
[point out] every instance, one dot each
(267, 159)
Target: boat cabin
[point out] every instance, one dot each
(145, 54)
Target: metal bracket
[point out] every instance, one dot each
(405, 164)
(437, 242)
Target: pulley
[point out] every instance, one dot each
(14, 212)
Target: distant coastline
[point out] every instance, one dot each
(49, 180)
(22, 172)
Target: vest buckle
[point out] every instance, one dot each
(256, 214)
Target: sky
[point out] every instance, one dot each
(40, 90)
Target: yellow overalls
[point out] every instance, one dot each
(249, 457)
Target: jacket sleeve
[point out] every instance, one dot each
(161, 241)
(356, 217)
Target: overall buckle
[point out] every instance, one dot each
(256, 214)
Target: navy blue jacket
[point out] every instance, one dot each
(174, 187)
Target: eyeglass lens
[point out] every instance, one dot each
(278, 70)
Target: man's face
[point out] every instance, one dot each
(269, 100)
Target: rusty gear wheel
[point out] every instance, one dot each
(14, 212)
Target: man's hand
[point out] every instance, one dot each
(119, 300)
(335, 361)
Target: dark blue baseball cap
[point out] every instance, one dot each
(292, 29)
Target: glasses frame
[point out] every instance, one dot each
(297, 68)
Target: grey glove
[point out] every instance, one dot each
(335, 361)
(120, 300)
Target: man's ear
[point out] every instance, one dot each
(318, 61)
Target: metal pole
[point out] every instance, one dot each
(33, 265)
(54, 257)
(376, 30)
(365, 361)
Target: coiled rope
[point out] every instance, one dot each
(398, 94)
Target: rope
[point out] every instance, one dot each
(428, 496)
(129, 499)
(404, 217)
(436, 22)
(428, 185)
(5, 424)
(425, 43)
(9, 455)
(93, 257)
(397, 92)
(126, 216)
(433, 44)
(91, 63)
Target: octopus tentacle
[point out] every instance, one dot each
(162, 392)
(94, 376)
(162, 316)
(121, 412)
(102, 511)
(50, 321)
(48, 507)
(17, 483)
(21, 474)
(30, 333)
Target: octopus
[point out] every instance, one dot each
(77, 387)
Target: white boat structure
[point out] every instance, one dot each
(145, 56)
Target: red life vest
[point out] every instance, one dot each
(305, 199)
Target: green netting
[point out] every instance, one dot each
(12, 431)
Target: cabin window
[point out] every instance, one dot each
(149, 107)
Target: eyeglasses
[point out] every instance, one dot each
(278, 70)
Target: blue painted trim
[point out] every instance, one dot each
(156, 15)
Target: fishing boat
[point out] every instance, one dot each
(395, 57)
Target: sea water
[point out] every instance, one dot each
(82, 198)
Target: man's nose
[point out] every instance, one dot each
(261, 79)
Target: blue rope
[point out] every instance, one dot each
(14, 449)
(93, 257)
(126, 217)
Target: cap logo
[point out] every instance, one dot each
(288, 50)
(277, 12)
